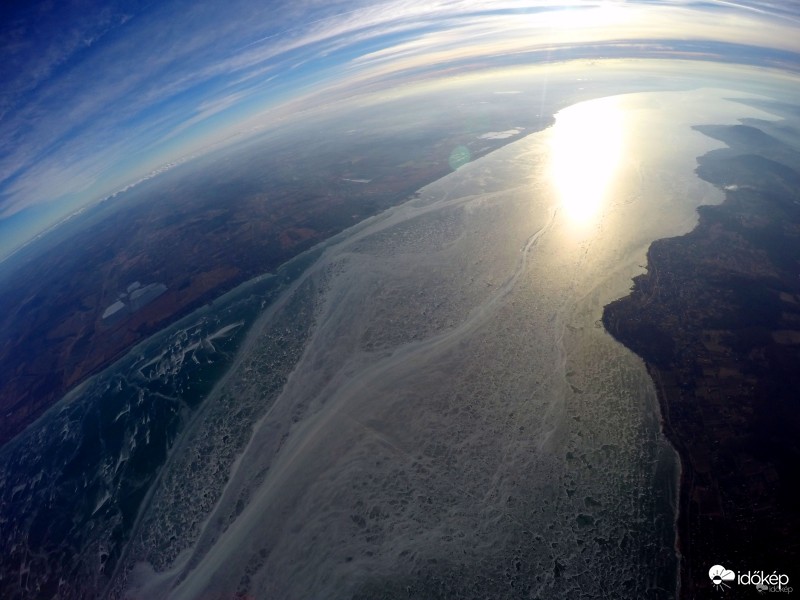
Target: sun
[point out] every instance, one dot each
(586, 149)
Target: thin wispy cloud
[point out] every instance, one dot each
(86, 86)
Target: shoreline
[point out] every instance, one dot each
(683, 479)
(715, 319)
(321, 218)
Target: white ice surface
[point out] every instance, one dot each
(457, 410)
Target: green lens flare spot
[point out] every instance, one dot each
(459, 157)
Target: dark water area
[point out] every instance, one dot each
(73, 484)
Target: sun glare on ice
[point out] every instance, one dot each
(586, 149)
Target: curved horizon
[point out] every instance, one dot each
(115, 96)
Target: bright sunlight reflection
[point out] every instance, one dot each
(586, 149)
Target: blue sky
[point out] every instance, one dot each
(96, 95)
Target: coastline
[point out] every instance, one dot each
(716, 318)
(87, 345)
(683, 480)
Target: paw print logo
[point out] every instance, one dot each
(719, 576)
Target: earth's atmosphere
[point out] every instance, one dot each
(428, 405)
(316, 300)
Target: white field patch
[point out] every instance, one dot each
(501, 135)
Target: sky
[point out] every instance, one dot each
(96, 96)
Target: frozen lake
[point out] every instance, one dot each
(458, 423)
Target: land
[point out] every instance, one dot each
(200, 230)
(717, 320)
